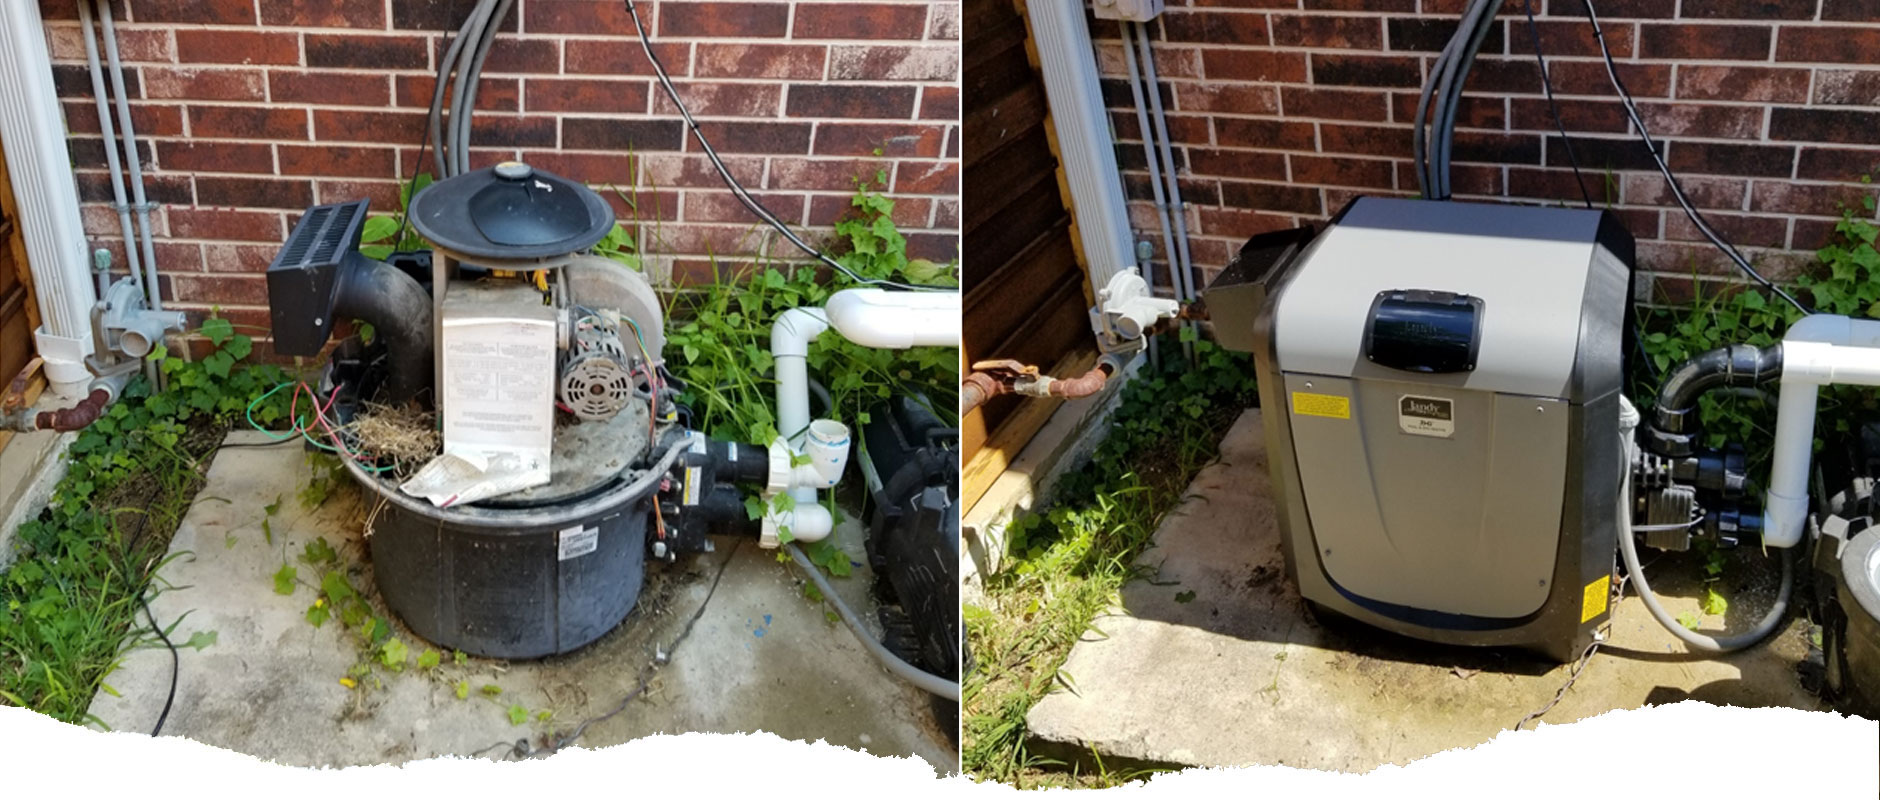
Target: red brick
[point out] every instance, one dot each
(927, 177)
(774, 138)
(1216, 27)
(1751, 9)
(1575, 38)
(760, 60)
(940, 102)
(1345, 33)
(1824, 125)
(944, 23)
(1226, 98)
(1244, 164)
(1232, 132)
(331, 88)
(723, 100)
(725, 20)
(530, 56)
(1850, 10)
(1725, 42)
(1431, 35)
(590, 168)
(1836, 45)
(1703, 192)
(209, 12)
(615, 57)
(238, 258)
(95, 187)
(1847, 87)
(1240, 224)
(220, 290)
(247, 122)
(1578, 116)
(1836, 164)
(1741, 160)
(353, 51)
(323, 13)
(893, 63)
(236, 47)
(1271, 197)
(1475, 110)
(1335, 104)
(1497, 148)
(852, 139)
(850, 102)
(253, 192)
(203, 84)
(853, 20)
(511, 132)
(586, 17)
(1742, 230)
(493, 94)
(592, 96)
(367, 126)
(135, 45)
(225, 224)
(214, 156)
(1556, 185)
(383, 194)
(1321, 5)
(638, 135)
(1712, 121)
(89, 152)
(1339, 69)
(936, 247)
(1742, 84)
(1332, 171)
(1254, 65)
(724, 207)
(1365, 140)
(1786, 197)
(338, 161)
(673, 170)
(1589, 77)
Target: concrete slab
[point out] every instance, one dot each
(31, 466)
(762, 657)
(1239, 674)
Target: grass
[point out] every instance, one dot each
(1066, 565)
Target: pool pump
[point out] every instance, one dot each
(566, 461)
(1441, 383)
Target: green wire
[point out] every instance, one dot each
(301, 430)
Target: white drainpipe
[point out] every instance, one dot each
(33, 128)
(868, 317)
(1082, 125)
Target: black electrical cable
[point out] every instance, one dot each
(1547, 86)
(1677, 191)
(1477, 22)
(424, 140)
(750, 203)
(176, 666)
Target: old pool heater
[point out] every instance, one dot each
(566, 460)
(1451, 454)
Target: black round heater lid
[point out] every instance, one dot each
(511, 211)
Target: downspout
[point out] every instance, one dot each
(31, 123)
(1086, 152)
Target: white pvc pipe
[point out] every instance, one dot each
(31, 124)
(153, 292)
(790, 336)
(1818, 350)
(895, 320)
(1082, 124)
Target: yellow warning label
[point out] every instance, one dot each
(1321, 405)
(1593, 603)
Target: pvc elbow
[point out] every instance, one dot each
(827, 449)
(791, 334)
(806, 523)
(895, 320)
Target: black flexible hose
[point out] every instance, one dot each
(1738, 365)
(1476, 25)
(468, 90)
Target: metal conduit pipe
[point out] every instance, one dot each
(1184, 277)
(1149, 156)
(109, 130)
(153, 294)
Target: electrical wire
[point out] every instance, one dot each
(176, 666)
(1547, 86)
(1677, 191)
(737, 189)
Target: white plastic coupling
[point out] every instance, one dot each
(825, 455)
(808, 522)
(1126, 307)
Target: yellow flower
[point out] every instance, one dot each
(348, 682)
(319, 602)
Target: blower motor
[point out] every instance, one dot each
(541, 364)
(1441, 384)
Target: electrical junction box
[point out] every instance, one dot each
(498, 354)
(1440, 382)
(1127, 10)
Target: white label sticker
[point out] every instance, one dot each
(579, 541)
(1426, 416)
(690, 497)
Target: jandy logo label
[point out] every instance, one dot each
(1426, 416)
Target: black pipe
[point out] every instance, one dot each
(1674, 427)
(399, 310)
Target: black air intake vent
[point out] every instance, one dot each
(306, 274)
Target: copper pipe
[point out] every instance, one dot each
(16, 392)
(78, 416)
(1083, 385)
(990, 379)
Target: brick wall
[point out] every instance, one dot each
(251, 110)
(1281, 110)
